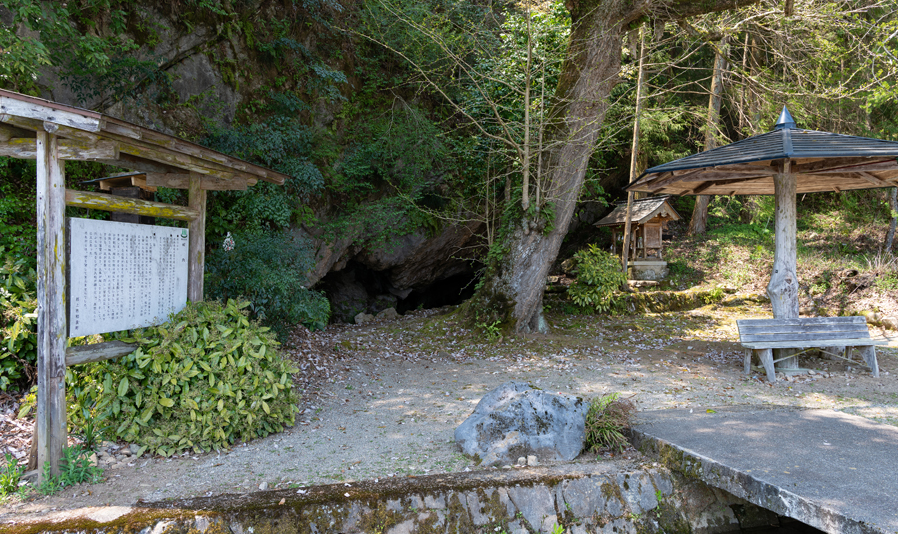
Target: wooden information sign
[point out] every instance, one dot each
(124, 275)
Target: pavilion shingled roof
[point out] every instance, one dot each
(821, 161)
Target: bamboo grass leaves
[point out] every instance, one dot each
(206, 379)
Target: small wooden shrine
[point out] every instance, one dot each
(648, 218)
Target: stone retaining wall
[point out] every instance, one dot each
(666, 301)
(603, 497)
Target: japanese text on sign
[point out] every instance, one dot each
(124, 275)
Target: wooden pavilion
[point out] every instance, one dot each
(51, 133)
(784, 162)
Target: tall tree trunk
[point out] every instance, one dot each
(699, 223)
(513, 289)
(750, 203)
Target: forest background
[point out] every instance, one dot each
(418, 134)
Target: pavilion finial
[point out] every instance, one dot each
(785, 120)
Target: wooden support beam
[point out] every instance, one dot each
(209, 183)
(137, 180)
(52, 331)
(180, 160)
(701, 187)
(101, 201)
(831, 165)
(758, 170)
(87, 121)
(36, 125)
(196, 248)
(74, 149)
(783, 286)
(139, 164)
(874, 179)
(98, 352)
(8, 132)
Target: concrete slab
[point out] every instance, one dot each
(833, 471)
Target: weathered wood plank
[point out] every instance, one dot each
(196, 247)
(97, 352)
(182, 160)
(805, 344)
(73, 149)
(139, 164)
(837, 165)
(101, 201)
(798, 321)
(123, 129)
(32, 110)
(787, 339)
(8, 132)
(808, 328)
(773, 331)
(52, 331)
(209, 183)
(138, 180)
(38, 125)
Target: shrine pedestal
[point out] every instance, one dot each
(647, 270)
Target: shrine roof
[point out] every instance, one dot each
(642, 211)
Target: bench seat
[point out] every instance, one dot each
(761, 336)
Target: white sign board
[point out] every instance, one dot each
(124, 275)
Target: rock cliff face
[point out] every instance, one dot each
(211, 76)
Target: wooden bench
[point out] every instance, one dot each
(761, 336)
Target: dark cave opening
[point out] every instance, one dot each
(359, 289)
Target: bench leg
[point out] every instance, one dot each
(790, 362)
(869, 354)
(746, 363)
(766, 356)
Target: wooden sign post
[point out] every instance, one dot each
(51, 298)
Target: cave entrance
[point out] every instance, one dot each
(357, 288)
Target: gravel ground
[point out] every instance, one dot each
(383, 399)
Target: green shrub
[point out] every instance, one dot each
(606, 420)
(599, 275)
(18, 319)
(205, 379)
(268, 269)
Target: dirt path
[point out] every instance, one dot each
(383, 400)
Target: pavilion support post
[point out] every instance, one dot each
(783, 286)
(50, 431)
(196, 253)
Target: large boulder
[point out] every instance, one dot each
(517, 419)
